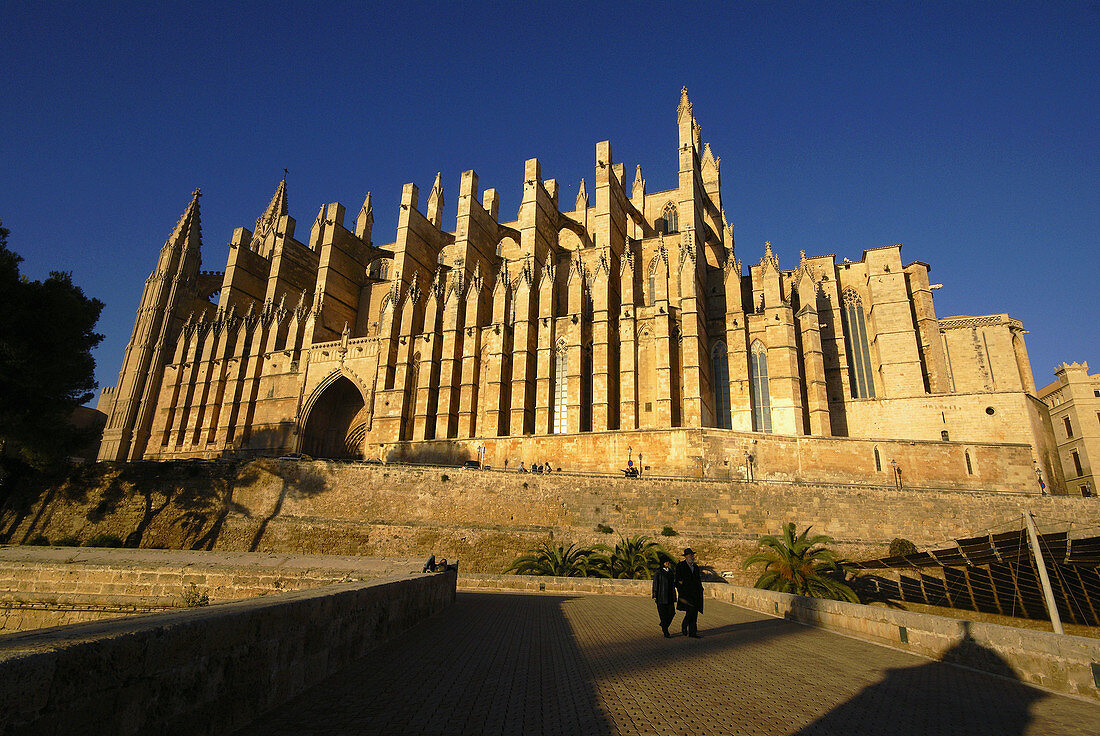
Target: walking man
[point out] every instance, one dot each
(689, 585)
(664, 592)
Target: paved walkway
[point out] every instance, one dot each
(500, 663)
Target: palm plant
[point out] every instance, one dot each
(802, 565)
(635, 558)
(559, 561)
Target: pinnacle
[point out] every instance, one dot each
(189, 224)
(275, 209)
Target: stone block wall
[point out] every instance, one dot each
(485, 518)
(203, 670)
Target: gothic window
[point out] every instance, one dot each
(586, 388)
(561, 391)
(721, 372)
(855, 341)
(878, 461)
(969, 463)
(761, 398)
(672, 220)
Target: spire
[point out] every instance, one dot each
(184, 242)
(365, 222)
(639, 184)
(189, 226)
(276, 208)
(684, 108)
(435, 201)
(582, 197)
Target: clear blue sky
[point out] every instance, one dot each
(966, 131)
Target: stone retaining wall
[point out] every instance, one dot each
(1065, 664)
(485, 518)
(203, 670)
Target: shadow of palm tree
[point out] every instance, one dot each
(297, 478)
(938, 698)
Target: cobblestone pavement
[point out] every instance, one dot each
(498, 663)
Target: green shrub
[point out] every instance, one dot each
(901, 547)
(604, 529)
(68, 541)
(38, 541)
(669, 532)
(104, 540)
(444, 477)
(192, 598)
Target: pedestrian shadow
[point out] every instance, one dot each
(938, 698)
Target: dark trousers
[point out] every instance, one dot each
(690, 624)
(667, 612)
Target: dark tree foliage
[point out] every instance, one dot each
(46, 365)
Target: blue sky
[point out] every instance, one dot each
(966, 131)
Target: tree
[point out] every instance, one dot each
(560, 561)
(802, 565)
(46, 364)
(635, 558)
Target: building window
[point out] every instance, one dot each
(855, 341)
(1077, 464)
(1069, 427)
(652, 288)
(672, 219)
(561, 393)
(586, 388)
(944, 436)
(721, 372)
(1096, 393)
(878, 461)
(761, 398)
(969, 464)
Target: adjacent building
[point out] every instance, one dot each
(584, 330)
(1074, 401)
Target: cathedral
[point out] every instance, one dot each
(623, 327)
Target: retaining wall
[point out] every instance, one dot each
(203, 670)
(485, 518)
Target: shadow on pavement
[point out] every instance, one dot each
(937, 698)
(491, 663)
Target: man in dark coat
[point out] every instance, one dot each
(664, 592)
(689, 585)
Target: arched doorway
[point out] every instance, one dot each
(334, 426)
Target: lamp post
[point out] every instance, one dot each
(897, 473)
(481, 457)
(749, 457)
(1042, 485)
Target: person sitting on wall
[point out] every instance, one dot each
(547, 466)
(444, 567)
(429, 566)
(521, 468)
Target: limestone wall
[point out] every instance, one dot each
(721, 454)
(202, 670)
(485, 518)
(56, 586)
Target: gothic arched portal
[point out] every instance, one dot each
(334, 427)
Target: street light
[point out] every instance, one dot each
(1042, 485)
(897, 473)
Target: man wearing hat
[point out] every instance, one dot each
(689, 586)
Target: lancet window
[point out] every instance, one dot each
(672, 220)
(721, 372)
(561, 390)
(855, 341)
(586, 388)
(761, 397)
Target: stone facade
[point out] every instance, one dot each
(629, 311)
(1074, 402)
